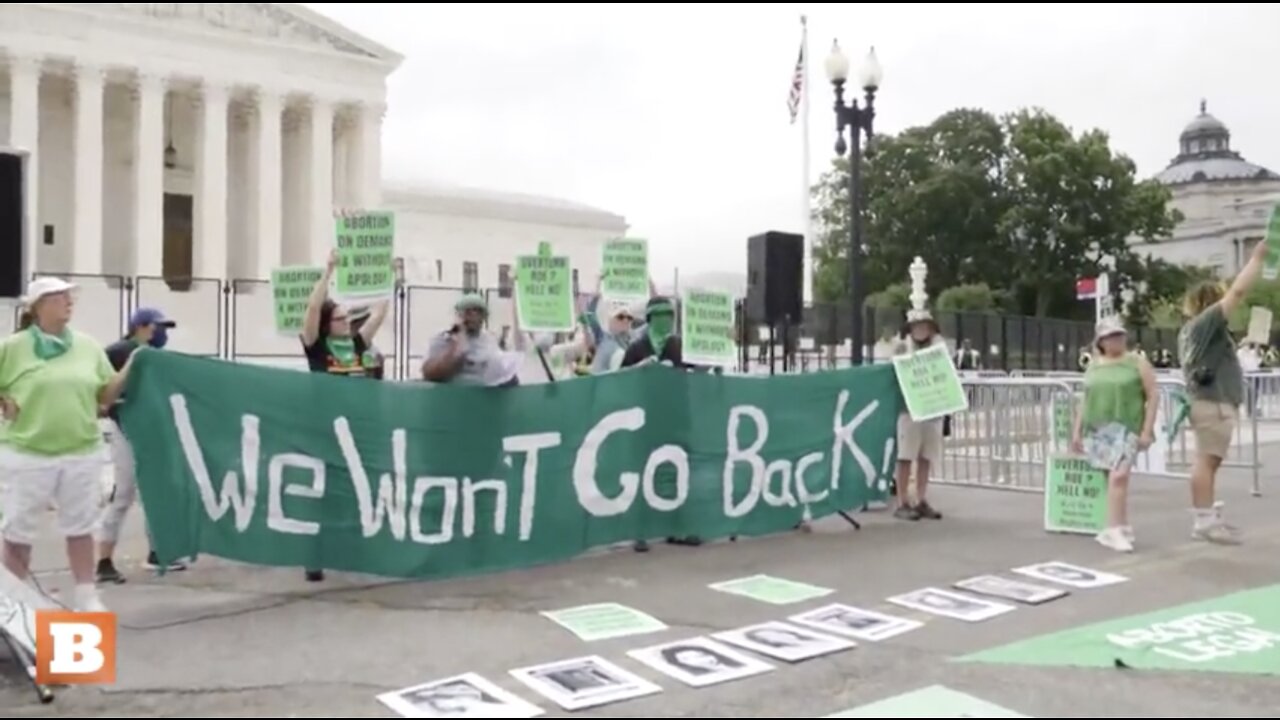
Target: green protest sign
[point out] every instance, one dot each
(624, 271)
(605, 621)
(1075, 496)
(277, 467)
(366, 255)
(930, 384)
(291, 288)
(1062, 420)
(707, 325)
(1271, 266)
(772, 590)
(1237, 633)
(544, 292)
(931, 702)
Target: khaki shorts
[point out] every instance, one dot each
(1214, 424)
(29, 484)
(919, 440)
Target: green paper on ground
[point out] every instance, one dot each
(707, 325)
(366, 255)
(930, 384)
(931, 702)
(544, 292)
(291, 288)
(604, 621)
(624, 271)
(1075, 496)
(1271, 266)
(772, 590)
(1237, 633)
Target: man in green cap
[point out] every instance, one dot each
(465, 354)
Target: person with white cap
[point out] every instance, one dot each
(148, 327)
(53, 380)
(1115, 422)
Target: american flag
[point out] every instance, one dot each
(797, 86)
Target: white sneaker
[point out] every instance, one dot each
(88, 600)
(1128, 533)
(1217, 532)
(1115, 539)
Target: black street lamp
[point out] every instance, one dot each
(857, 119)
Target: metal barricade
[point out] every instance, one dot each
(197, 305)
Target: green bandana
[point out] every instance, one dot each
(48, 347)
(662, 324)
(342, 349)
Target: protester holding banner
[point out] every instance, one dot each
(53, 380)
(919, 443)
(659, 341)
(376, 366)
(330, 344)
(1215, 383)
(466, 354)
(1116, 422)
(150, 328)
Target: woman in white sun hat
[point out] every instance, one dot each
(53, 380)
(1115, 422)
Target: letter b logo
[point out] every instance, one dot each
(74, 648)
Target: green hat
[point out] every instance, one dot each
(471, 301)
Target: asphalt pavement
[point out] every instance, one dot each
(225, 639)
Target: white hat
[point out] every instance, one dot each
(42, 286)
(1108, 327)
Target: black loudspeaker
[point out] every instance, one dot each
(11, 225)
(775, 278)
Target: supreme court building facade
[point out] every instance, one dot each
(187, 140)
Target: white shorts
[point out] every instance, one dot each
(919, 440)
(29, 484)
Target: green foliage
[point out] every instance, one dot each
(1020, 204)
(968, 298)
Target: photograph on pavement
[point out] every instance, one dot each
(788, 643)
(855, 622)
(700, 662)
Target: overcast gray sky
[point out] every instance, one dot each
(675, 115)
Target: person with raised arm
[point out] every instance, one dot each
(53, 381)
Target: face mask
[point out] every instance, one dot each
(159, 338)
(661, 327)
(342, 349)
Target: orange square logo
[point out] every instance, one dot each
(75, 648)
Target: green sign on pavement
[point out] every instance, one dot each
(624, 271)
(1075, 496)
(605, 621)
(930, 384)
(772, 590)
(366, 256)
(1271, 267)
(1237, 633)
(277, 467)
(291, 288)
(931, 702)
(707, 324)
(544, 292)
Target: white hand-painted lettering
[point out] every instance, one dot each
(392, 487)
(530, 445)
(778, 494)
(844, 437)
(802, 487)
(749, 455)
(276, 518)
(470, 490)
(448, 509)
(590, 496)
(676, 456)
(230, 496)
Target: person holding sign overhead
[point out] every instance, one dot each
(919, 443)
(330, 344)
(1116, 422)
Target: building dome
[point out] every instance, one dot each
(1205, 155)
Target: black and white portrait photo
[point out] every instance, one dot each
(1016, 590)
(953, 605)
(700, 662)
(464, 696)
(855, 622)
(584, 682)
(784, 642)
(1070, 575)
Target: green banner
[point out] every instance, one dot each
(277, 467)
(544, 292)
(291, 287)
(1271, 266)
(366, 255)
(930, 384)
(1238, 633)
(707, 325)
(624, 271)
(1075, 496)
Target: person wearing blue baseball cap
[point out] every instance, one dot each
(147, 327)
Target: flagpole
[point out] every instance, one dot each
(807, 198)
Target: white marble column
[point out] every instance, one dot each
(24, 134)
(211, 183)
(320, 232)
(370, 154)
(86, 243)
(268, 198)
(148, 174)
(351, 143)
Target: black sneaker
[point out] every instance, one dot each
(641, 546)
(926, 511)
(108, 574)
(688, 541)
(906, 512)
(315, 576)
(153, 563)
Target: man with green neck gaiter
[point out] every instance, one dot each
(660, 341)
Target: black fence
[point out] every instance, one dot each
(234, 320)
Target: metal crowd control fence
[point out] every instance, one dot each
(195, 303)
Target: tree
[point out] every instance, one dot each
(968, 298)
(1160, 285)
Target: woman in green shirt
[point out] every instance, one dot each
(1116, 422)
(53, 380)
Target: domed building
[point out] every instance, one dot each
(1225, 200)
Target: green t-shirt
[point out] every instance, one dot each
(57, 399)
(1209, 359)
(1113, 393)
